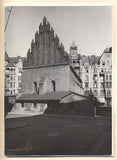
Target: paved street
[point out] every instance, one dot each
(58, 135)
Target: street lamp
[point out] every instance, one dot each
(103, 75)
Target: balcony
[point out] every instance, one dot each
(101, 73)
(10, 73)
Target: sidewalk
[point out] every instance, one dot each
(22, 114)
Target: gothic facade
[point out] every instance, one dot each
(48, 70)
(46, 48)
(48, 60)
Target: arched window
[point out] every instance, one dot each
(35, 86)
(53, 86)
(108, 93)
(7, 69)
(95, 84)
(12, 69)
(95, 70)
(103, 63)
(95, 92)
(95, 77)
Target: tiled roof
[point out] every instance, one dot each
(10, 65)
(108, 50)
(6, 57)
(16, 59)
(44, 97)
(90, 59)
(76, 75)
(47, 97)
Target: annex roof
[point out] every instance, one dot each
(47, 97)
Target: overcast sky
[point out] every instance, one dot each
(90, 27)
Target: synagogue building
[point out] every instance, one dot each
(47, 74)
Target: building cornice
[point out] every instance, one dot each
(47, 65)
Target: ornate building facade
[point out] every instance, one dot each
(96, 75)
(13, 74)
(75, 58)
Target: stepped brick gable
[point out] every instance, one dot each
(46, 48)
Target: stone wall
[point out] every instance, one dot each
(58, 73)
(62, 75)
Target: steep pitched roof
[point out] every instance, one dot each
(90, 59)
(6, 57)
(75, 74)
(10, 65)
(16, 59)
(107, 50)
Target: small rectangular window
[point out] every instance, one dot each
(101, 85)
(101, 93)
(19, 78)
(107, 77)
(110, 77)
(107, 84)
(19, 85)
(86, 85)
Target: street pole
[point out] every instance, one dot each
(8, 18)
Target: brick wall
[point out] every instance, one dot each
(62, 75)
(46, 49)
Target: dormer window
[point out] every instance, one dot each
(86, 69)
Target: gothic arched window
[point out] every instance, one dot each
(53, 86)
(35, 86)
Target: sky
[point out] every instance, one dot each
(89, 26)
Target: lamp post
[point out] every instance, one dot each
(103, 75)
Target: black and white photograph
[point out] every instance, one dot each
(58, 81)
